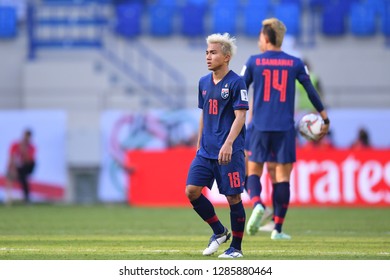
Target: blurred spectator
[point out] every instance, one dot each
(21, 164)
(303, 103)
(362, 141)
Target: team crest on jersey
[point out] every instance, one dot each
(204, 92)
(225, 93)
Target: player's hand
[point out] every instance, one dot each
(324, 131)
(225, 154)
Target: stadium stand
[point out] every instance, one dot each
(8, 21)
(189, 19)
(80, 25)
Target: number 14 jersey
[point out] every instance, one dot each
(273, 74)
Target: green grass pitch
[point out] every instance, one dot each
(120, 232)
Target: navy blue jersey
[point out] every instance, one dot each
(273, 74)
(219, 101)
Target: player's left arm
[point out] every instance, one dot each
(225, 154)
(317, 103)
(325, 126)
(304, 78)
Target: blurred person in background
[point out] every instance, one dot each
(303, 104)
(21, 164)
(266, 222)
(223, 99)
(274, 73)
(362, 141)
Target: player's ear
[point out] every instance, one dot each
(266, 38)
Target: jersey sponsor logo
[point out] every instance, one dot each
(225, 93)
(244, 95)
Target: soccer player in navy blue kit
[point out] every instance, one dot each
(223, 98)
(273, 74)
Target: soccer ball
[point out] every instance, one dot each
(310, 126)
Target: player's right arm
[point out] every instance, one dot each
(200, 106)
(226, 151)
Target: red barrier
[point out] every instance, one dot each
(159, 178)
(319, 178)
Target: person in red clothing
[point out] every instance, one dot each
(21, 164)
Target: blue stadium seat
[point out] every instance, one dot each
(344, 5)
(82, 1)
(379, 6)
(7, 22)
(192, 19)
(161, 19)
(314, 4)
(296, 2)
(362, 21)
(333, 21)
(235, 3)
(290, 14)
(253, 3)
(254, 13)
(128, 18)
(170, 3)
(385, 21)
(224, 18)
(198, 2)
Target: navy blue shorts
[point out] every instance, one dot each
(230, 178)
(273, 146)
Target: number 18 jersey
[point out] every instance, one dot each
(219, 101)
(273, 75)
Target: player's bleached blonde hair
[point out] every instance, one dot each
(275, 30)
(228, 43)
